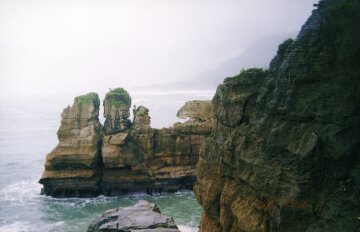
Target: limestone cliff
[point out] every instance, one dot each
(123, 156)
(284, 154)
(73, 168)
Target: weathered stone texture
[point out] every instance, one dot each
(284, 154)
(143, 216)
(117, 103)
(153, 160)
(122, 157)
(73, 167)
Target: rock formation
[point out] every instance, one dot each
(123, 156)
(116, 111)
(73, 168)
(284, 153)
(143, 216)
(196, 110)
(143, 159)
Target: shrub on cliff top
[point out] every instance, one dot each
(246, 76)
(118, 97)
(88, 99)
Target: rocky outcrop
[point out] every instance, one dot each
(196, 110)
(143, 216)
(116, 111)
(284, 150)
(152, 160)
(122, 156)
(73, 168)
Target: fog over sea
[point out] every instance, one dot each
(28, 126)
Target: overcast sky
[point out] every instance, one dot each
(63, 46)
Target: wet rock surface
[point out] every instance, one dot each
(143, 216)
(284, 150)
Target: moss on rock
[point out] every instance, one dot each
(88, 99)
(118, 97)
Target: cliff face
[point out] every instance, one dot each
(73, 168)
(122, 156)
(284, 153)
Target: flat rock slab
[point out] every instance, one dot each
(143, 216)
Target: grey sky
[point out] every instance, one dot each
(76, 46)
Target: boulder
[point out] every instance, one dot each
(143, 216)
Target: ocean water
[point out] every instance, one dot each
(28, 126)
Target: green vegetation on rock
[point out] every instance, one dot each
(247, 74)
(88, 99)
(118, 97)
(251, 71)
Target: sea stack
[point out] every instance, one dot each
(284, 152)
(122, 156)
(73, 168)
(117, 103)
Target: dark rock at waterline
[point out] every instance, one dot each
(284, 153)
(143, 216)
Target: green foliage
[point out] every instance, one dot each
(88, 99)
(118, 97)
(247, 76)
(283, 47)
(288, 42)
(250, 72)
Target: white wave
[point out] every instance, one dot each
(18, 227)
(184, 228)
(24, 226)
(20, 192)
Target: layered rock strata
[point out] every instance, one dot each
(143, 216)
(117, 103)
(143, 159)
(284, 154)
(73, 168)
(122, 156)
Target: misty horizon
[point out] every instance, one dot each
(74, 47)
